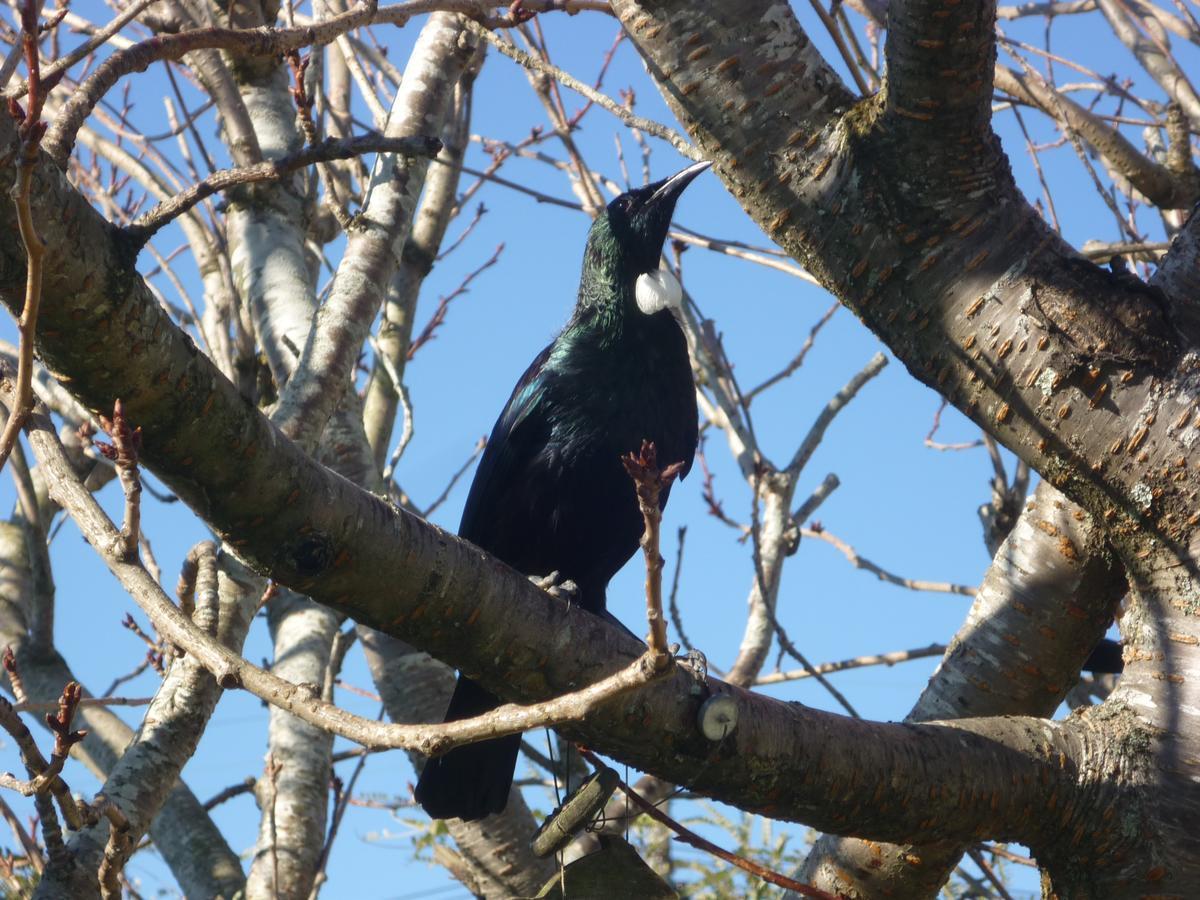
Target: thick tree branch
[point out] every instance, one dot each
(986, 752)
(1043, 605)
(938, 88)
(374, 247)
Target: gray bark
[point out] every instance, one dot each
(196, 852)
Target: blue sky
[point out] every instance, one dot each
(908, 508)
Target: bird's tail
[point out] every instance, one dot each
(473, 781)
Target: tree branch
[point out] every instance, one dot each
(375, 246)
(1043, 605)
(146, 225)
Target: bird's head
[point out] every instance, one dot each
(626, 239)
(638, 219)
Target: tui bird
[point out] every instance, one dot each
(550, 494)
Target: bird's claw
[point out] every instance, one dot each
(556, 586)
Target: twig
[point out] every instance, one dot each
(28, 844)
(47, 706)
(859, 562)
(858, 662)
(335, 821)
(933, 429)
(304, 106)
(480, 212)
(234, 790)
(674, 138)
(123, 452)
(116, 851)
(515, 186)
(839, 401)
(676, 617)
(836, 33)
(454, 479)
(708, 493)
(729, 249)
(690, 837)
(798, 359)
(272, 770)
(650, 481)
(14, 677)
(977, 857)
(439, 315)
(45, 775)
(820, 494)
(357, 691)
(1006, 854)
(786, 645)
(1144, 251)
(406, 428)
(147, 661)
(31, 132)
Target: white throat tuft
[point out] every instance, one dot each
(656, 291)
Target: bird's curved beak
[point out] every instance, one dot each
(670, 188)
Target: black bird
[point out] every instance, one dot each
(550, 494)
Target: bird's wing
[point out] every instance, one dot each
(519, 436)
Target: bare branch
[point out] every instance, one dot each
(858, 662)
(690, 837)
(817, 431)
(674, 138)
(31, 132)
(859, 562)
(146, 225)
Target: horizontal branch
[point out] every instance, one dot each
(231, 670)
(145, 226)
(796, 739)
